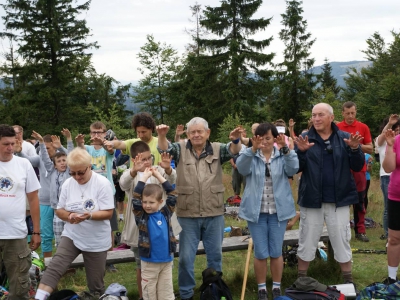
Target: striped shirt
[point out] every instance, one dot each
(267, 201)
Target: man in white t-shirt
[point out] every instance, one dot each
(18, 182)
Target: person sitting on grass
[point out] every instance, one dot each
(157, 243)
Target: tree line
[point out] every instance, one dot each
(225, 75)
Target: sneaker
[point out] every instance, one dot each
(262, 295)
(111, 268)
(389, 280)
(276, 292)
(362, 237)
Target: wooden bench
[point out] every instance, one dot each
(228, 244)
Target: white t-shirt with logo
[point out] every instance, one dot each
(90, 235)
(17, 178)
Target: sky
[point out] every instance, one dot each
(341, 28)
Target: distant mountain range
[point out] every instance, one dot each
(339, 69)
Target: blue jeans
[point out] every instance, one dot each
(46, 227)
(211, 231)
(384, 187)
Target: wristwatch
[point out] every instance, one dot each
(285, 150)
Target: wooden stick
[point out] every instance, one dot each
(246, 268)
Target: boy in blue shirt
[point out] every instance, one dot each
(157, 243)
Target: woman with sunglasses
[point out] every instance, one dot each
(267, 202)
(86, 204)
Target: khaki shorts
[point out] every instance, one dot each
(337, 222)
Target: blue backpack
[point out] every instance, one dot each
(379, 290)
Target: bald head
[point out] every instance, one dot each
(322, 117)
(323, 106)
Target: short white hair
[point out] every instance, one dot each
(196, 121)
(327, 106)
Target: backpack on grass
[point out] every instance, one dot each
(329, 294)
(213, 287)
(379, 290)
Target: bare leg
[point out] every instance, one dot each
(276, 268)
(302, 265)
(393, 248)
(345, 267)
(47, 254)
(260, 270)
(120, 206)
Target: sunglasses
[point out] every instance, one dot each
(267, 173)
(328, 145)
(79, 173)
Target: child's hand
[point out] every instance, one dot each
(137, 163)
(65, 132)
(80, 139)
(147, 173)
(55, 140)
(166, 159)
(37, 136)
(97, 141)
(158, 175)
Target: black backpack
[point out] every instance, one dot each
(213, 287)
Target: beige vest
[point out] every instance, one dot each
(199, 184)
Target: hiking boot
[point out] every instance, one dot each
(111, 268)
(262, 295)
(276, 292)
(362, 237)
(389, 280)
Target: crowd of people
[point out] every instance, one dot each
(176, 189)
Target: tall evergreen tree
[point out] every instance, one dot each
(51, 40)
(376, 89)
(294, 79)
(327, 81)
(243, 76)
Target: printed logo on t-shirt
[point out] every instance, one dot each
(99, 165)
(88, 204)
(6, 184)
(159, 223)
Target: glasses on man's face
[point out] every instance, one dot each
(267, 173)
(328, 145)
(96, 132)
(79, 173)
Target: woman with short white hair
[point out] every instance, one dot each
(86, 204)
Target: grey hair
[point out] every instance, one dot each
(196, 121)
(328, 107)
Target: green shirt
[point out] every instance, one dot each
(153, 149)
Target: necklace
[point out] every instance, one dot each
(82, 192)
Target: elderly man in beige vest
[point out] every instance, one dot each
(200, 204)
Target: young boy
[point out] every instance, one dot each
(142, 159)
(157, 243)
(57, 172)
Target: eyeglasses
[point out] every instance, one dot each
(79, 173)
(96, 132)
(267, 173)
(148, 159)
(328, 148)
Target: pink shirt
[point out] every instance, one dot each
(394, 185)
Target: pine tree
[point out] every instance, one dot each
(294, 79)
(51, 40)
(327, 81)
(243, 77)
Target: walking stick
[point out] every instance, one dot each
(246, 268)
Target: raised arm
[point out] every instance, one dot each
(162, 131)
(389, 163)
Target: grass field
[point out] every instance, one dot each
(367, 267)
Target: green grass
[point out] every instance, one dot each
(367, 268)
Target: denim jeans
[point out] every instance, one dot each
(211, 231)
(384, 187)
